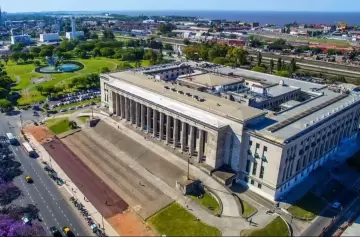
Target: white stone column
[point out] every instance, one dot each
(112, 102)
(168, 129)
(138, 114)
(117, 104)
(183, 136)
(122, 105)
(132, 115)
(127, 112)
(162, 118)
(176, 132)
(148, 119)
(143, 119)
(200, 145)
(155, 119)
(191, 139)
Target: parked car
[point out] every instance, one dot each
(336, 205)
(55, 232)
(28, 179)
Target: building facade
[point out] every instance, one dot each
(268, 152)
(49, 37)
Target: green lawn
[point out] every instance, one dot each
(24, 73)
(207, 200)
(176, 221)
(59, 125)
(309, 206)
(338, 43)
(83, 118)
(275, 228)
(247, 209)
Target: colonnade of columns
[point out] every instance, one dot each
(172, 131)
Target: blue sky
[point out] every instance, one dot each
(146, 5)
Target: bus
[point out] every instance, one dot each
(29, 150)
(11, 139)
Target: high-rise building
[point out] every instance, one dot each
(73, 34)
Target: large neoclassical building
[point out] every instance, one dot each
(271, 132)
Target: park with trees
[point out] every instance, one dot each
(22, 84)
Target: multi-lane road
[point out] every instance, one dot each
(51, 200)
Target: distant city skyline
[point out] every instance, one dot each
(186, 5)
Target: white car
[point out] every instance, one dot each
(26, 220)
(63, 110)
(336, 205)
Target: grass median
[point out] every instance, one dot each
(58, 125)
(307, 207)
(207, 201)
(177, 221)
(277, 227)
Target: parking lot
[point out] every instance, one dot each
(73, 98)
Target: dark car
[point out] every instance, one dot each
(55, 232)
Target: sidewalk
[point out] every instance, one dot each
(71, 187)
(229, 224)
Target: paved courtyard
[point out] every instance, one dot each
(103, 158)
(99, 194)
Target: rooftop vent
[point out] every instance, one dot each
(306, 125)
(281, 83)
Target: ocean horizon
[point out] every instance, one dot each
(263, 17)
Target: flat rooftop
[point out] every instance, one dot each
(278, 90)
(280, 127)
(210, 79)
(306, 122)
(213, 110)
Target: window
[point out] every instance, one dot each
(262, 172)
(254, 168)
(248, 166)
(298, 165)
(250, 143)
(265, 149)
(259, 185)
(257, 145)
(252, 182)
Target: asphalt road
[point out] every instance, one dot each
(325, 218)
(54, 209)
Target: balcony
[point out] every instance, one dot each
(256, 155)
(263, 158)
(249, 152)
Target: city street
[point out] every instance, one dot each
(55, 210)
